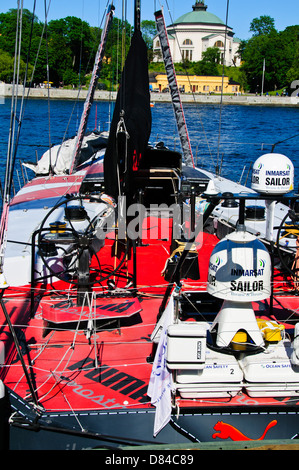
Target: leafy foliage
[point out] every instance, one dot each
(262, 25)
(278, 50)
(208, 64)
(69, 46)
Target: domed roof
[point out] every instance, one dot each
(199, 15)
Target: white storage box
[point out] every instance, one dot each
(186, 345)
(273, 365)
(221, 377)
(212, 390)
(218, 368)
(271, 373)
(272, 390)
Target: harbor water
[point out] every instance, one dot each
(231, 137)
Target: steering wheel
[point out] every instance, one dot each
(76, 247)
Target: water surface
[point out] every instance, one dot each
(246, 132)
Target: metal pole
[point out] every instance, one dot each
(137, 15)
(17, 345)
(263, 80)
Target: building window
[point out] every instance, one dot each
(219, 44)
(187, 55)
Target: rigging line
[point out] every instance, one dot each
(12, 157)
(98, 37)
(12, 110)
(44, 396)
(221, 98)
(260, 144)
(123, 50)
(42, 347)
(81, 47)
(71, 348)
(18, 74)
(13, 117)
(282, 141)
(117, 53)
(48, 85)
(79, 90)
(22, 107)
(67, 401)
(38, 51)
(17, 345)
(91, 90)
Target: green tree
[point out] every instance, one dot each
(118, 43)
(208, 64)
(70, 42)
(66, 44)
(212, 54)
(262, 25)
(276, 49)
(31, 32)
(241, 49)
(7, 68)
(291, 40)
(8, 22)
(205, 68)
(149, 30)
(293, 72)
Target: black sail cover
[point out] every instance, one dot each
(131, 123)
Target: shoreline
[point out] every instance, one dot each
(102, 95)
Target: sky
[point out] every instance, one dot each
(241, 12)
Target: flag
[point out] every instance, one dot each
(161, 384)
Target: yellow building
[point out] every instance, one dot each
(199, 84)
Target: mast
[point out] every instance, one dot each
(131, 122)
(91, 89)
(137, 15)
(174, 90)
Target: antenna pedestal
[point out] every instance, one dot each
(233, 317)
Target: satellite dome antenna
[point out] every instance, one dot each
(272, 175)
(239, 273)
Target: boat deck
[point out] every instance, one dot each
(72, 368)
(90, 366)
